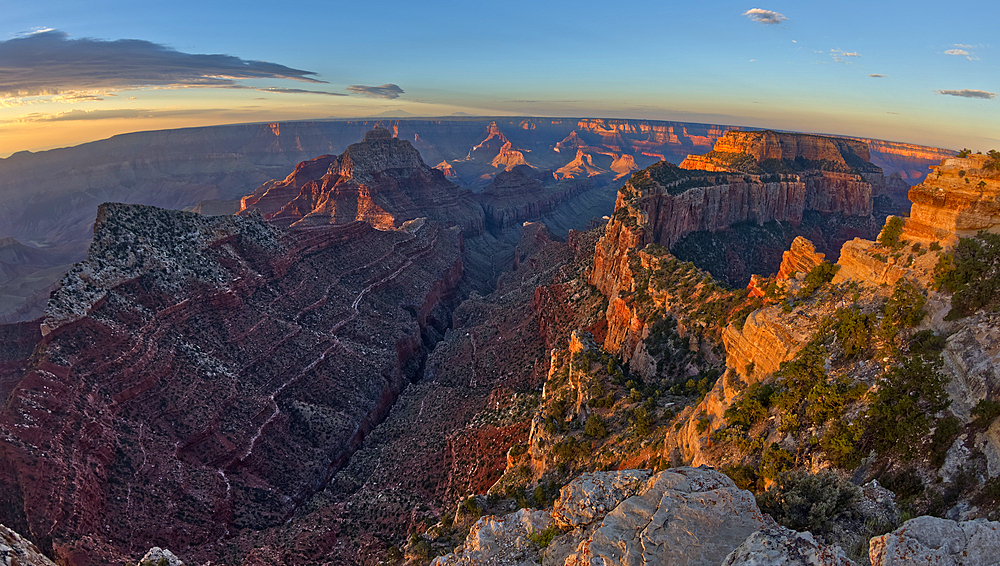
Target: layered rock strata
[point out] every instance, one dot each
(800, 258)
(382, 181)
(213, 378)
(957, 199)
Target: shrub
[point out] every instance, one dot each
(595, 427)
(891, 232)
(972, 273)
(775, 461)
(945, 434)
(544, 537)
(935, 246)
(840, 442)
(909, 396)
(817, 276)
(853, 331)
(985, 412)
(808, 502)
(926, 343)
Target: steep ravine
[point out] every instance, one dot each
(217, 383)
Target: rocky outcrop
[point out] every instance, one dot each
(780, 146)
(382, 181)
(214, 378)
(785, 547)
(957, 199)
(801, 258)
(160, 557)
(693, 516)
(16, 551)
(522, 194)
(500, 541)
(930, 540)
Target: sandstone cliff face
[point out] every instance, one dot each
(957, 199)
(216, 381)
(382, 181)
(800, 258)
(764, 145)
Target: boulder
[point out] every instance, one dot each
(930, 540)
(160, 557)
(785, 547)
(500, 541)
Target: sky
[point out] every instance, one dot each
(919, 72)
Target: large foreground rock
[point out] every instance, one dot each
(684, 516)
(930, 540)
(681, 516)
(785, 547)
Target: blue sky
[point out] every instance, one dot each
(716, 62)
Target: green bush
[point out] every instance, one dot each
(840, 442)
(985, 412)
(927, 343)
(775, 461)
(853, 331)
(891, 232)
(817, 277)
(972, 273)
(944, 435)
(543, 538)
(900, 417)
(808, 502)
(595, 427)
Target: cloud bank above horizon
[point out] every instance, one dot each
(50, 63)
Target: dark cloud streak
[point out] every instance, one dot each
(387, 90)
(51, 63)
(969, 93)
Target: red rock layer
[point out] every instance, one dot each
(382, 181)
(179, 411)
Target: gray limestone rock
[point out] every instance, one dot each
(682, 517)
(15, 550)
(500, 541)
(785, 547)
(160, 557)
(930, 540)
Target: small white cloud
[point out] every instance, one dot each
(763, 16)
(969, 93)
(753, 60)
(961, 52)
(793, 41)
(839, 54)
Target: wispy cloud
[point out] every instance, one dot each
(387, 90)
(763, 16)
(115, 113)
(49, 62)
(839, 55)
(969, 93)
(877, 76)
(961, 51)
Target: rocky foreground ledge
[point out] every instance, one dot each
(692, 516)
